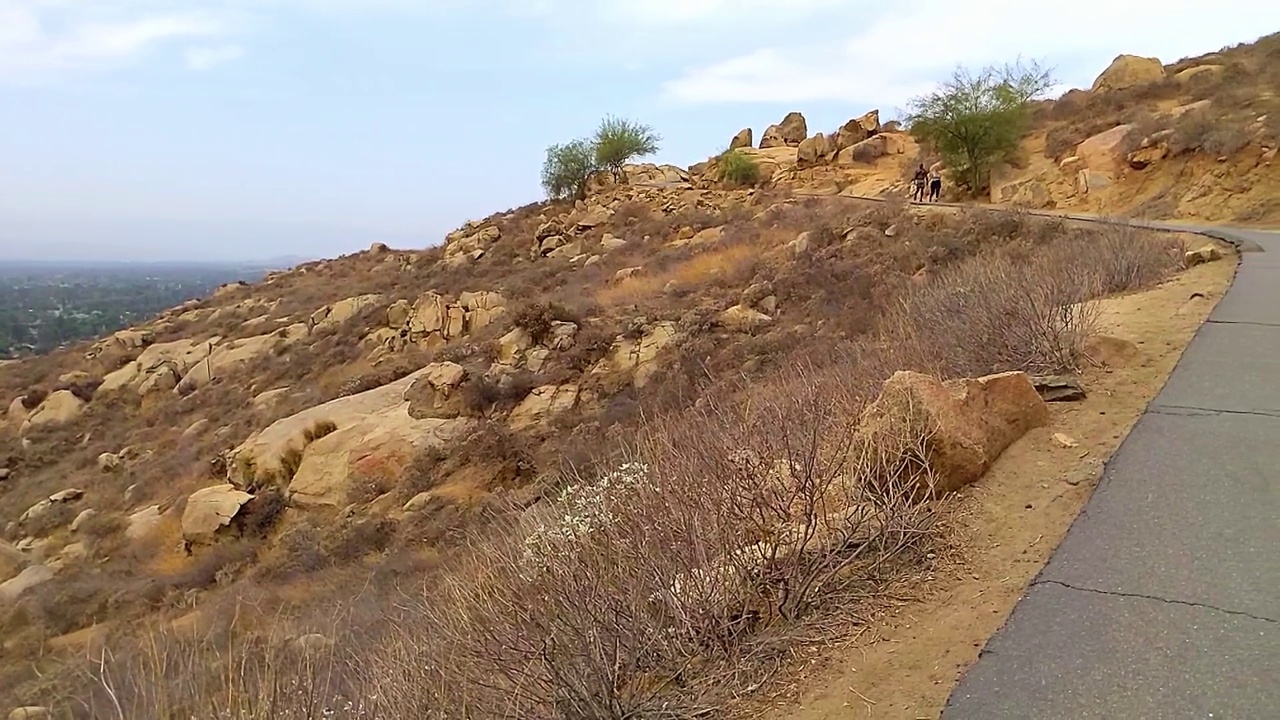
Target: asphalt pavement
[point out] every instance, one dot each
(1163, 600)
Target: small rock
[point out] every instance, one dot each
(109, 462)
(1065, 441)
(418, 502)
(5, 473)
(31, 712)
(891, 231)
(1206, 254)
(1058, 388)
(84, 517)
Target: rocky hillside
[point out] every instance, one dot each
(365, 417)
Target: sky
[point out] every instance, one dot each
(251, 129)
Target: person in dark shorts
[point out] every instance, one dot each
(917, 183)
(935, 186)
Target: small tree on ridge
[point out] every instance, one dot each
(977, 120)
(618, 141)
(567, 168)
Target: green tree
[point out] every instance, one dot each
(567, 168)
(976, 120)
(618, 141)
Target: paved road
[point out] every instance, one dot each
(1163, 600)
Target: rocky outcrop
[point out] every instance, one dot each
(639, 355)
(1128, 71)
(375, 436)
(13, 588)
(335, 315)
(433, 320)
(211, 509)
(225, 356)
(961, 427)
(543, 404)
(813, 151)
(469, 243)
(59, 408)
(789, 133)
(857, 130)
(742, 140)
(876, 146)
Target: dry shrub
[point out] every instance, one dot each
(1197, 131)
(234, 674)
(624, 599)
(537, 318)
(1025, 308)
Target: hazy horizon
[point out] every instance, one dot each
(240, 130)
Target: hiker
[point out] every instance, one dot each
(935, 186)
(917, 183)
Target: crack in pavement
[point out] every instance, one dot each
(1157, 598)
(1191, 411)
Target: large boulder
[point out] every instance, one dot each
(813, 151)
(874, 147)
(857, 130)
(638, 355)
(961, 427)
(331, 316)
(211, 509)
(13, 588)
(742, 140)
(375, 434)
(543, 404)
(59, 408)
(790, 132)
(1128, 71)
(225, 357)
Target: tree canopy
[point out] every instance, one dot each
(617, 141)
(976, 120)
(567, 168)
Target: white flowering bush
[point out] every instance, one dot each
(580, 510)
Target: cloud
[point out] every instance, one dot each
(43, 38)
(894, 54)
(207, 58)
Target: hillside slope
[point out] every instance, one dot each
(292, 459)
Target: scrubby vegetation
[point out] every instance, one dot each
(616, 142)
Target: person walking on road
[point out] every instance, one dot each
(917, 183)
(935, 186)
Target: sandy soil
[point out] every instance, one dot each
(1005, 527)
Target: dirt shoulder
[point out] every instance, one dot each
(1004, 528)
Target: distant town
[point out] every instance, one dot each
(47, 305)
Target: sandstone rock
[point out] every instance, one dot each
(210, 509)
(1107, 351)
(340, 312)
(1101, 152)
(84, 517)
(609, 242)
(511, 347)
(1065, 441)
(17, 413)
(812, 151)
(543, 404)
(873, 147)
(638, 355)
(790, 132)
(1199, 71)
(566, 251)
(742, 140)
(142, 522)
(857, 130)
(1206, 254)
(375, 436)
(548, 229)
(225, 357)
(398, 313)
(562, 335)
(68, 495)
(109, 462)
(5, 473)
(1089, 180)
(60, 408)
(744, 319)
(461, 245)
(13, 588)
(419, 502)
(1144, 157)
(379, 249)
(265, 401)
(627, 273)
(962, 426)
(1058, 388)
(595, 218)
(1128, 71)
